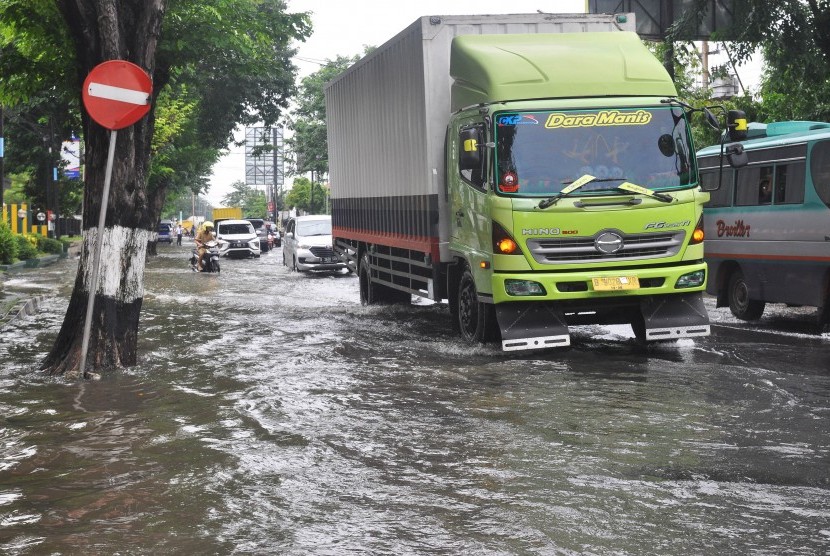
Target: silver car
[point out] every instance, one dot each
(307, 244)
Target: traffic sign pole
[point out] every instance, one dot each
(99, 245)
(116, 95)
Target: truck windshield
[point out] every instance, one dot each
(539, 153)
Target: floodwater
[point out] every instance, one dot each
(271, 414)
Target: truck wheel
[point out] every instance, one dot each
(476, 320)
(364, 276)
(372, 293)
(740, 304)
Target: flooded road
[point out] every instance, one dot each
(271, 414)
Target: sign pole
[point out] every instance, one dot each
(99, 244)
(116, 94)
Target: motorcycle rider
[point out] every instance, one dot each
(205, 235)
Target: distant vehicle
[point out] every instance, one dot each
(307, 245)
(766, 224)
(165, 232)
(261, 232)
(237, 238)
(274, 236)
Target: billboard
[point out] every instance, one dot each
(655, 17)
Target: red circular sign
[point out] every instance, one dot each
(117, 93)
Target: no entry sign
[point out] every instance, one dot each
(117, 94)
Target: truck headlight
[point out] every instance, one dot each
(523, 287)
(691, 280)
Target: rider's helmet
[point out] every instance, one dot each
(208, 224)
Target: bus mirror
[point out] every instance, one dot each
(711, 119)
(469, 157)
(737, 125)
(736, 155)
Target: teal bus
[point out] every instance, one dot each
(767, 224)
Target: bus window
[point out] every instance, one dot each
(748, 180)
(721, 197)
(765, 186)
(820, 170)
(789, 183)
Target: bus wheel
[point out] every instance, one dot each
(476, 320)
(740, 304)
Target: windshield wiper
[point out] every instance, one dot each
(576, 184)
(633, 188)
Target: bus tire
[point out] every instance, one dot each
(740, 303)
(476, 320)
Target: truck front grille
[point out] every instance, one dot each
(583, 250)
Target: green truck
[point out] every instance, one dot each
(533, 170)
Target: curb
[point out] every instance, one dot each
(24, 307)
(32, 263)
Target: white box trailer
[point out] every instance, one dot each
(387, 117)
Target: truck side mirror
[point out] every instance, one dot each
(469, 157)
(736, 155)
(711, 119)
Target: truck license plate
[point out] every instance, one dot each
(614, 283)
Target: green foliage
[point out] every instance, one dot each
(219, 63)
(26, 248)
(300, 197)
(8, 244)
(49, 245)
(309, 143)
(251, 200)
(793, 37)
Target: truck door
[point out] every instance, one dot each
(467, 180)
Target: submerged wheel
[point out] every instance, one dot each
(476, 320)
(372, 293)
(364, 274)
(740, 304)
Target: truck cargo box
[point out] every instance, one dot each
(386, 120)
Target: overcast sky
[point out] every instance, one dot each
(342, 28)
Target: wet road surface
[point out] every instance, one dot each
(271, 414)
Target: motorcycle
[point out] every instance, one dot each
(210, 259)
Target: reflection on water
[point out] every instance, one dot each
(271, 413)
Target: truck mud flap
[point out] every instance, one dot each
(669, 317)
(531, 326)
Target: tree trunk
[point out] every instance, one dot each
(109, 30)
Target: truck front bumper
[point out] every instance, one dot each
(658, 309)
(538, 325)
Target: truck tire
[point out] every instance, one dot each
(740, 304)
(372, 293)
(476, 320)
